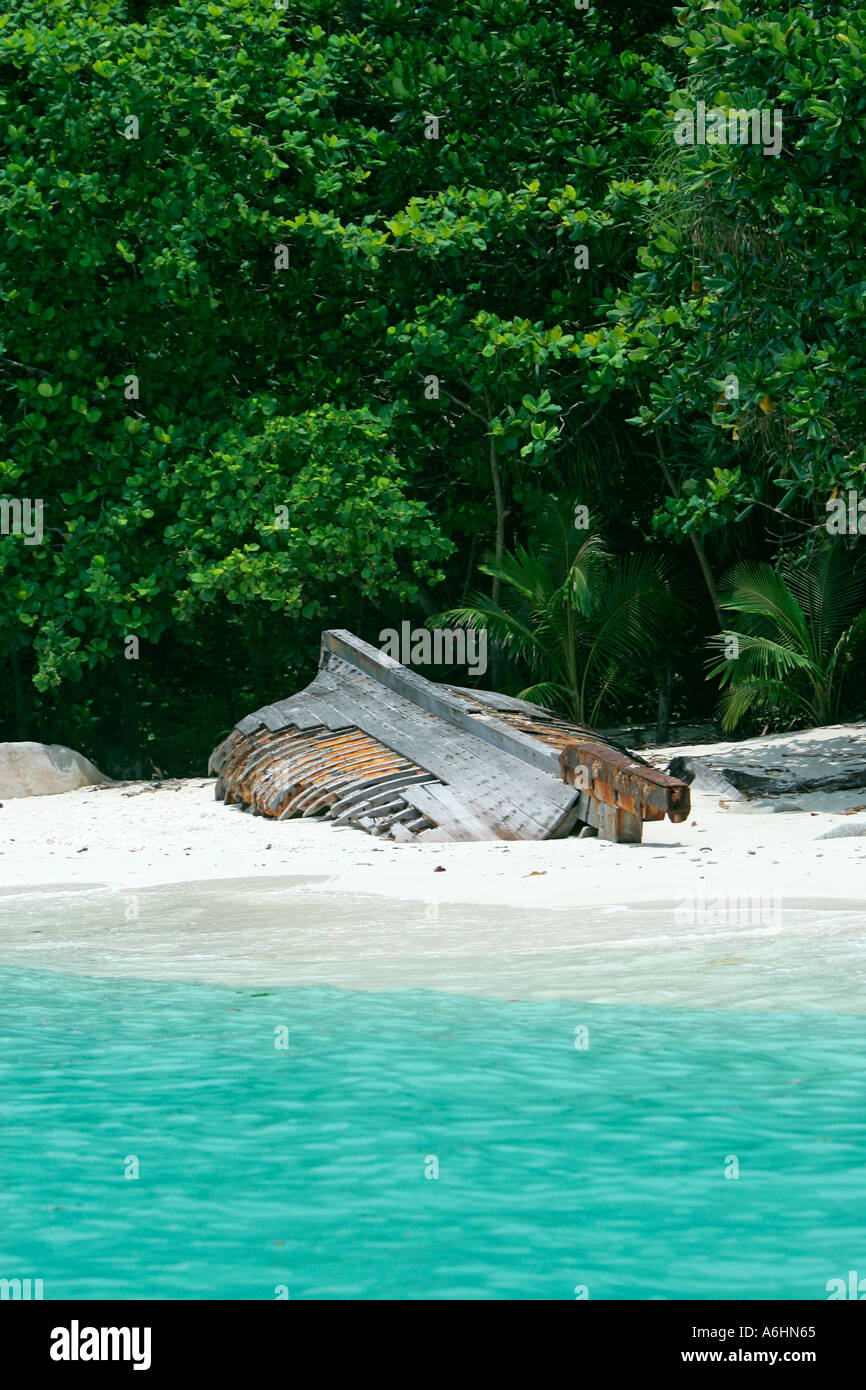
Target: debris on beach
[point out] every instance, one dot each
(372, 744)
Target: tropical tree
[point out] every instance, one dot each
(796, 636)
(572, 614)
(277, 226)
(231, 447)
(744, 322)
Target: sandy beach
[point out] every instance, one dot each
(134, 835)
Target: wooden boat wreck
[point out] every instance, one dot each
(370, 743)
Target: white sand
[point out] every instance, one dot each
(133, 835)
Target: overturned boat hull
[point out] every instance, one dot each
(372, 744)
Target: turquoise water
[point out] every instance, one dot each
(558, 1166)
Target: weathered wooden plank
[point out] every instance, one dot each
(445, 806)
(378, 809)
(249, 724)
(401, 832)
(409, 816)
(217, 760)
(442, 835)
(565, 824)
(453, 709)
(415, 825)
(264, 767)
(618, 825)
(239, 776)
(317, 767)
(331, 789)
(528, 798)
(305, 763)
(313, 715)
(407, 720)
(308, 710)
(620, 780)
(400, 779)
(271, 718)
(376, 797)
(493, 700)
(332, 718)
(275, 759)
(296, 712)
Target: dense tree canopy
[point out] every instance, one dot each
(305, 310)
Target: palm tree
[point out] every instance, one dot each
(795, 638)
(574, 615)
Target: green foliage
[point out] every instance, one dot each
(572, 616)
(154, 160)
(754, 269)
(795, 639)
(238, 206)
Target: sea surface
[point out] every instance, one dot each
(545, 1130)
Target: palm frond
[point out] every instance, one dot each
(830, 592)
(504, 629)
(523, 572)
(847, 648)
(758, 657)
(757, 589)
(762, 696)
(551, 695)
(634, 612)
(795, 633)
(557, 541)
(855, 637)
(583, 573)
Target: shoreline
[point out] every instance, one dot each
(137, 835)
(742, 906)
(269, 934)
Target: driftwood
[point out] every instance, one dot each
(619, 792)
(372, 744)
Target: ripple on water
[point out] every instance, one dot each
(557, 1166)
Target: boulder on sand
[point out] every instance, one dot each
(844, 832)
(44, 769)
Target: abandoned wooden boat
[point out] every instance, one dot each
(371, 743)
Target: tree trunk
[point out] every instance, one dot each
(469, 567)
(700, 553)
(666, 686)
(499, 550)
(500, 515)
(708, 579)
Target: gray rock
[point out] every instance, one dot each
(762, 807)
(703, 777)
(844, 832)
(44, 769)
(735, 783)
